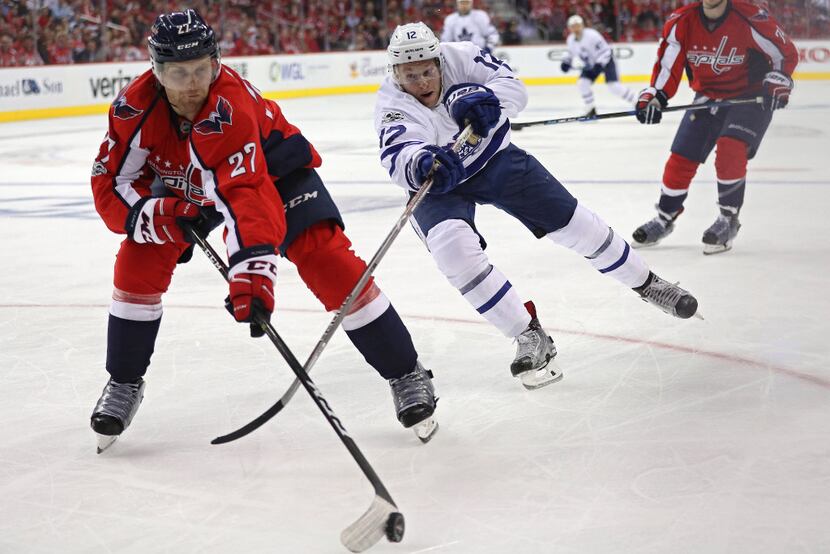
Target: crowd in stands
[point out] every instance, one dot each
(36, 32)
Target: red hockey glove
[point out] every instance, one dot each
(650, 105)
(777, 88)
(251, 283)
(156, 220)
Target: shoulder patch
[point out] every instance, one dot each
(760, 15)
(98, 169)
(390, 117)
(122, 110)
(220, 116)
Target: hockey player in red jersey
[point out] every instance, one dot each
(728, 49)
(190, 140)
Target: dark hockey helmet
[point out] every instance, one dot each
(181, 36)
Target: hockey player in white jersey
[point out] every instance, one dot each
(470, 25)
(433, 91)
(589, 46)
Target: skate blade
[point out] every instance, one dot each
(105, 441)
(638, 245)
(426, 429)
(542, 377)
(709, 249)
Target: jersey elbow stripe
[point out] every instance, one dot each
(770, 49)
(130, 170)
(668, 59)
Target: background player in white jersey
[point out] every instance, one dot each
(433, 91)
(472, 25)
(590, 47)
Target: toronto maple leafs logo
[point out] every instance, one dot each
(465, 35)
(122, 110)
(218, 117)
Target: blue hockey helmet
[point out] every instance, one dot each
(181, 36)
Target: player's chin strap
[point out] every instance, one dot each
(382, 518)
(518, 126)
(465, 136)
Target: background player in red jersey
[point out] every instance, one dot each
(728, 49)
(191, 140)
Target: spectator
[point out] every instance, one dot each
(28, 54)
(8, 54)
(510, 36)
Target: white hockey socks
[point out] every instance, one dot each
(588, 235)
(457, 251)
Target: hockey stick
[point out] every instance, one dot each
(382, 518)
(413, 203)
(687, 107)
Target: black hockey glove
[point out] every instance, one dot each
(777, 88)
(650, 105)
(443, 164)
(474, 104)
(566, 66)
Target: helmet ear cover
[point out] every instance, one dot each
(180, 36)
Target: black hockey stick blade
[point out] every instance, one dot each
(252, 425)
(382, 519)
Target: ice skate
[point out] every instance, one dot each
(115, 410)
(669, 297)
(652, 232)
(591, 113)
(534, 353)
(719, 236)
(414, 398)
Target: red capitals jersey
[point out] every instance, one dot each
(727, 60)
(229, 157)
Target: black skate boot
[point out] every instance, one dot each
(669, 297)
(414, 398)
(115, 410)
(591, 113)
(652, 232)
(719, 236)
(534, 352)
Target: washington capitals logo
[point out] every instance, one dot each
(124, 110)
(718, 60)
(213, 124)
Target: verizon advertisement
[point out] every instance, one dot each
(62, 90)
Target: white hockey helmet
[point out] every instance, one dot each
(576, 20)
(413, 42)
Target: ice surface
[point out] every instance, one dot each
(664, 436)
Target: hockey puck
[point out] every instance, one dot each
(395, 527)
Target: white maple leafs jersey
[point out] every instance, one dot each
(404, 125)
(592, 49)
(474, 27)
